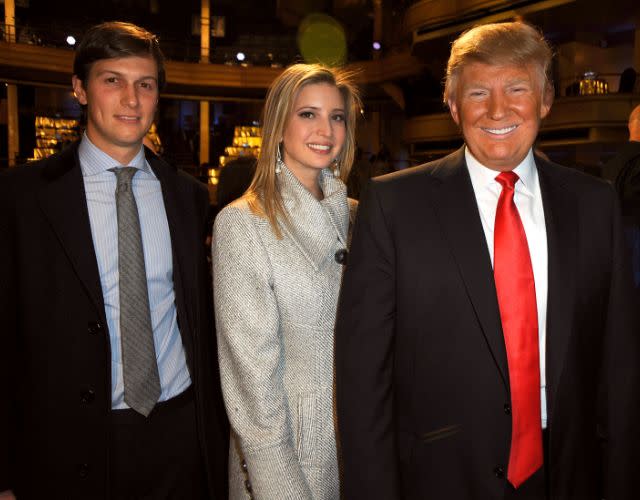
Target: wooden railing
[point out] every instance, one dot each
(446, 16)
(53, 65)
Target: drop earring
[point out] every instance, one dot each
(336, 168)
(279, 161)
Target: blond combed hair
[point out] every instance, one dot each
(500, 44)
(263, 195)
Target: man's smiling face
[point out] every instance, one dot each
(121, 96)
(499, 109)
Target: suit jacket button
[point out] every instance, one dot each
(507, 409)
(87, 396)
(247, 485)
(243, 464)
(341, 256)
(83, 470)
(94, 327)
(499, 471)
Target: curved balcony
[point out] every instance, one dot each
(429, 19)
(32, 64)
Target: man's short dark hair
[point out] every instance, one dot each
(116, 39)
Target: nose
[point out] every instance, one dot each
(130, 96)
(497, 106)
(324, 127)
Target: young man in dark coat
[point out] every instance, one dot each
(108, 380)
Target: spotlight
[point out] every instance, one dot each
(71, 40)
(240, 56)
(377, 45)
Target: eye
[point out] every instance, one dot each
(476, 94)
(306, 114)
(338, 117)
(147, 85)
(111, 79)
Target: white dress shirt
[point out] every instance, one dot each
(528, 200)
(100, 188)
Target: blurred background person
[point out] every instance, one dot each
(624, 170)
(234, 179)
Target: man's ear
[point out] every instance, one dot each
(78, 90)
(453, 109)
(545, 107)
(547, 100)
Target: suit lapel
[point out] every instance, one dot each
(180, 231)
(562, 241)
(457, 210)
(64, 204)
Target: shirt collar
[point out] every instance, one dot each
(484, 176)
(94, 161)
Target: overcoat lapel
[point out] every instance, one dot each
(182, 257)
(562, 242)
(314, 226)
(458, 213)
(64, 204)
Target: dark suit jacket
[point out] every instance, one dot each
(624, 170)
(55, 387)
(421, 367)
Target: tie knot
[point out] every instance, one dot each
(507, 179)
(124, 176)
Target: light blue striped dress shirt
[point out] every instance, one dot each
(100, 188)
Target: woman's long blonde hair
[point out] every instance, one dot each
(263, 195)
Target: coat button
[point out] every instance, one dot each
(341, 256)
(499, 471)
(94, 327)
(507, 409)
(87, 396)
(247, 485)
(83, 470)
(243, 464)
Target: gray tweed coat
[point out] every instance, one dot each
(275, 303)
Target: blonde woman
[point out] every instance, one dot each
(278, 256)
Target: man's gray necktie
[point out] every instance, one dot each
(139, 365)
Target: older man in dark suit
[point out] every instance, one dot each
(487, 343)
(108, 385)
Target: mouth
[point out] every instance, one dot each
(126, 118)
(320, 148)
(500, 131)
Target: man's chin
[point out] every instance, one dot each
(129, 142)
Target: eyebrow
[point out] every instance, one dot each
(318, 107)
(518, 81)
(118, 73)
(515, 81)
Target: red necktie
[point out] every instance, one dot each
(516, 291)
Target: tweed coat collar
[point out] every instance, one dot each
(315, 226)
